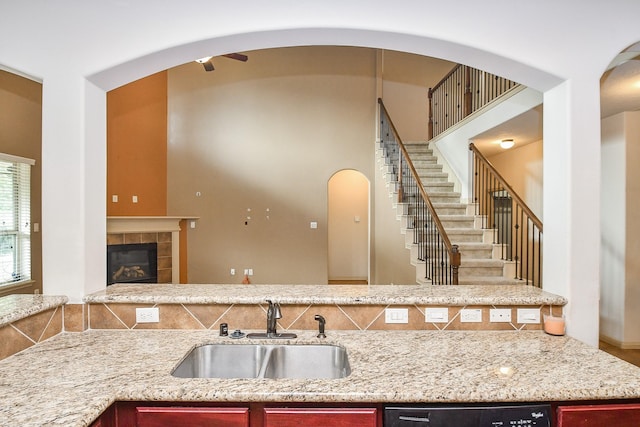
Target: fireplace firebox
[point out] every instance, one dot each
(132, 263)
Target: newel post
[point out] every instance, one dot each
(430, 127)
(468, 96)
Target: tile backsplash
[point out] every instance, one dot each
(21, 334)
(297, 316)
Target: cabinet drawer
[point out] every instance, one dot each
(192, 417)
(320, 417)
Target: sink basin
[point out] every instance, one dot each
(222, 361)
(307, 361)
(264, 361)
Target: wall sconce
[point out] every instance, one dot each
(507, 143)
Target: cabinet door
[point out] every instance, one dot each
(320, 417)
(191, 417)
(620, 415)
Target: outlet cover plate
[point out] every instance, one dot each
(528, 315)
(147, 315)
(497, 315)
(436, 314)
(471, 315)
(396, 315)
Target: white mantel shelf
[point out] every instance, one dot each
(153, 224)
(145, 224)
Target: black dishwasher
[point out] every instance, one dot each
(538, 415)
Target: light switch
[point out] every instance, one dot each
(134, 199)
(114, 198)
(396, 315)
(436, 315)
(313, 225)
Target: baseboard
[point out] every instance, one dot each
(624, 345)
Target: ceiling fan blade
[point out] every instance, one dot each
(237, 57)
(208, 65)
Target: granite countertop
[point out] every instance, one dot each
(18, 306)
(70, 379)
(327, 294)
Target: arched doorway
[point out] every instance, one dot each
(348, 227)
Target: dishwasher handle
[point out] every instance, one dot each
(423, 421)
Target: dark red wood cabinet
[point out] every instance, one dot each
(157, 416)
(618, 415)
(320, 417)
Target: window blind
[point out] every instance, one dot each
(15, 219)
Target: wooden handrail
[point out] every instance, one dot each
(536, 221)
(517, 230)
(461, 92)
(446, 77)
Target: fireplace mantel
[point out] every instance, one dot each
(145, 224)
(153, 224)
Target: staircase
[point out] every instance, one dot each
(481, 263)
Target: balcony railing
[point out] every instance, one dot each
(517, 229)
(441, 258)
(460, 93)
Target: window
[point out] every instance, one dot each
(15, 219)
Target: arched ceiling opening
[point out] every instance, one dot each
(120, 74)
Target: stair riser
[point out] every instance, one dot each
(480, 271)
(466, 238)
(476, 254)
(451, 211)
(424, 162)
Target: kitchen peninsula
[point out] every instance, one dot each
(70, 379)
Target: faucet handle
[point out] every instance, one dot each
(277, 314)
(321, 323)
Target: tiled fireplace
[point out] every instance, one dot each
(165, 231)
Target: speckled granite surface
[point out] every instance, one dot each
(19, 306)
(326, 294)
(70, 379)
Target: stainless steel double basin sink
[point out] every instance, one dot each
(264, 361)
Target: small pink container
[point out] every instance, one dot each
(554, 325)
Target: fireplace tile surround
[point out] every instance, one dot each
(163, 239)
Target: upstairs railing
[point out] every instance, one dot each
(460, 93)
(441, 258)
(517, 229)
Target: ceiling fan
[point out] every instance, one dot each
(208, 64)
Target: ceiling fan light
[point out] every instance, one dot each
(506, 143)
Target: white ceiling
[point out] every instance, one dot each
(619, 91)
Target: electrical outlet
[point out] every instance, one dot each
(436, 314)
(232, 271)
(250, 272)
(500, 315)
(528, 315)
(147, 315)
(471, 315)
(396, 315)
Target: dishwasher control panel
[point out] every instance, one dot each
(533, 415)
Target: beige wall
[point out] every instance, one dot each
(407, 79)
(632, 247)
(266, 134)
(20, 135)
(620, 225)
(522, 169)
